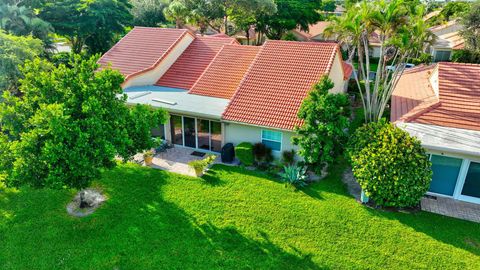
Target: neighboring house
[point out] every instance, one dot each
(218, 91)
(448, 39)
(440, 105)
(314, 33)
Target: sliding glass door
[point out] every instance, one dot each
(471, 186)
(445, 174)
(189, 133)
(196, 133)
(176, 129)
(203, 127)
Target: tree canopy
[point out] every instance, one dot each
(68, 124)
(14, 51)
(148, 12)
(96, 23)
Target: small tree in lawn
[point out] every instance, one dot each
(325, 121)
(68, 124)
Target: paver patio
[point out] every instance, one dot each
(452, 208)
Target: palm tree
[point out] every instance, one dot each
(388, 20)
(177, 12)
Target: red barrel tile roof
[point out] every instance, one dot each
(278, 81)
(192, 63)
(142, 48)
(457, 104)
(226, 71)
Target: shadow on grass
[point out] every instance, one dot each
(135, 229)
(458, 233)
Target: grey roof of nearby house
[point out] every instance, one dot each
(438, 138)
(177, 100)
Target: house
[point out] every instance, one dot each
(218, 91)
(440, 105)
(314, 33)
(448, 39)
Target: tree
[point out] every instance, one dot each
(14, 51)
(148, 12)
(402, 35)
(96, 23)
(177, 12)
(290, 14)
(471, 30)
(245, 19)
(325, 122)
(22, 21)
(391, 166)
(68, 124)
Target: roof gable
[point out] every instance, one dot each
(457, 104)
(277, 82)
(142, 48)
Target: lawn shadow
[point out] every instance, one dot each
(451, 231)
(137, 228)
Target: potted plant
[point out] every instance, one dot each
(148, 157)
(200, 165)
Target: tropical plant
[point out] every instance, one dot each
(244, 153)
(68, 124)
(177, 12)
(148, 157)
(471, 29)
(391, 166)
(200, 165)
(294, 175)
(402, 34)
(325, 122)
(14, 51)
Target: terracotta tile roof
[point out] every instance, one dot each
(457, 104)
(141, 48)
(277, 82)
(226, 71)
(313, 30)
(192, 63)
(347, 70)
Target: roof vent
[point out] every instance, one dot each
(140, 95)
(164, 101)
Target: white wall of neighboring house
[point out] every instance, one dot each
(238, 133)
(150, 77)
(336, 75)
(374, 51)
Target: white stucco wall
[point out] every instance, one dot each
(336, 75)
(151, 77)
(434, 80)
(238, 133)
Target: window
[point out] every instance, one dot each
(272, 139)
(445, 174)
(471, 187)
(442, 56)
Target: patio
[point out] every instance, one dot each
(176, 160)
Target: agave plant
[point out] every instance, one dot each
(294, 175)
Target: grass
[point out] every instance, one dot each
(230, 219)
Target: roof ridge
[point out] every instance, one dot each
(167, 52)
(243, 79)
(330, 62)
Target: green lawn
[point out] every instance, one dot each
(232, 219)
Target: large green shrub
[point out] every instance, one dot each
(244, 153)
(391, 166)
